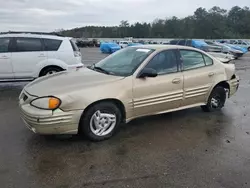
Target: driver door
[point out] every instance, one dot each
(163, 92)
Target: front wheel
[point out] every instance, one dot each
(100, 121)
(216, 100)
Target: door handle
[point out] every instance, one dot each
(211, 74)
(176, 81)
(4, 57)
(41, 55)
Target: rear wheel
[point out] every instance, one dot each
(216, 100)
(49, 71)
(100, 121)
(248, 48)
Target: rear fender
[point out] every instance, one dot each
(49, 62)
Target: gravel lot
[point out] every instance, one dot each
(188, 148)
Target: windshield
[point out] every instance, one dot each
(123, 62)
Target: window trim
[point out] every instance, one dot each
(205, 60)
(14, 44)
(163, 74)
(8, 48)
(181, 61)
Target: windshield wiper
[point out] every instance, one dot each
(101, 69)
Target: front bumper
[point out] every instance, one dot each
(47, 121)
(75, 66)
(234, 86)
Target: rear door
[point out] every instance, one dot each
(199, 73)
(27, 54)
(6, 71)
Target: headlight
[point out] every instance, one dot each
(46, 103)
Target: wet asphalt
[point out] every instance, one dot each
(188, 148)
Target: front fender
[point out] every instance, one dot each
(49, 62)
(83, 97)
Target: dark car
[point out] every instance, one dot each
(200, 44)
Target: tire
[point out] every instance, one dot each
(248, 48)
(49, 70)
(108, 127)
(216, 100)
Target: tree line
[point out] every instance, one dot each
(215, 23)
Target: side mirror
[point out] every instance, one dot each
(147, 72)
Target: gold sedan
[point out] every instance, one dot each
(133, 82)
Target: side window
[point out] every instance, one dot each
(4, 45)
(173, 42)
(182, 42)
(208, 60)
(164, 62)
(189, 43)
(52, 44)
(28, 45)
(125, 43)
(191, 59)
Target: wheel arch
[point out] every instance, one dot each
(49, 62)
(223, 84)
(117, 102)
(50, 66)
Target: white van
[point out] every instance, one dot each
(25, 56)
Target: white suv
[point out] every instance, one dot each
(25, 56)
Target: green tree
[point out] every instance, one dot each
(213, 23)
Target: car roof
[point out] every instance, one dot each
(33, 35)
(165, 47)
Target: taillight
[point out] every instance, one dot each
(77, 54)
(233, 77)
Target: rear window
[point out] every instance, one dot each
(74, 46)
(52, 44)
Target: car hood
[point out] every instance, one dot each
(63, 82)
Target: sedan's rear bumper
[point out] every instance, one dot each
(48, 122)
(234, 86)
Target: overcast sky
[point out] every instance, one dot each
(48, 15)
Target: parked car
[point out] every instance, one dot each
(236, 47)
(96, 43)
(133, 82)
(243, 44)
(83, 43)
(123, 44)
(25, 56)
(109, 47)
(200, 44)
(226, 49)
